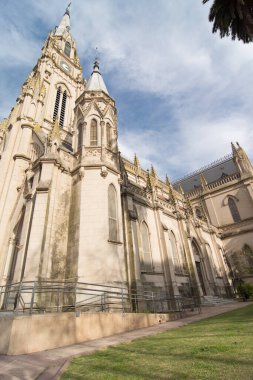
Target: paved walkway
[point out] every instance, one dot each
(48, 365)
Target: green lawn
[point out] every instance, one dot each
(216, 348)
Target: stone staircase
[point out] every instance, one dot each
(215, 301)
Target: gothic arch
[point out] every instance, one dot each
(94, 133)
(200, 268)
(146, 253)
(64, 87)
(67, 48)
(175, 253)
(225, 200)
(108, 135)
(231, 202)
(113, 213)
(196, 247)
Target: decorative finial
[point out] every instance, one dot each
(181, 190)
(234, 150)
(136, 160)
(167, 181)
(3, 124)
(203, 181)
(148, 182)
(96, 63)
(189, 205)
(153, 172)
(67, 10)
(54, 134)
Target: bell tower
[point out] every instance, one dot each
(44, 108)
(96, 234)
(50, 91)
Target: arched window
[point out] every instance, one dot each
(63, 108)
(80, 136)
(146, 248)
(57, 103)
(175, 254)
(112, 213)
(67, 49)
(234, 210)
(108, 135)
(94, 133)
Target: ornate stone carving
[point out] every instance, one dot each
(104, 172)
(81, 172)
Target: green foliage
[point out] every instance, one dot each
(232, 17)
(217, 348)
(245, 290)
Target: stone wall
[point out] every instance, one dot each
(27, 334)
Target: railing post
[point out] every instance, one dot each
(18, 296)
(32, 298)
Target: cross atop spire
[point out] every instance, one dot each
(96, 81)
(96, 62)
(67, 10)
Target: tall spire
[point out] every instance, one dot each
(96, 81)
(64, 25)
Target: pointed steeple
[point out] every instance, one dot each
(234, 150)
(54, 134)
(167, 181)
(152, 171)
(96, 81)
(136, 160)
(148, 182)
(180, 189)
(203, 181)
(64, 25)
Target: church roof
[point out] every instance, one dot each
(96, 81)
(64, 24)
(213, 172)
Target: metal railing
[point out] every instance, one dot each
(55, 296)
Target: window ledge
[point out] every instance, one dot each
(151, 272)
(115, 242)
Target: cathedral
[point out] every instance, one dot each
(73, 209)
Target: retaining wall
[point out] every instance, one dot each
(27, 334)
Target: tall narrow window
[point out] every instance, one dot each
(67, 49)
(108, 135)
(63, 108)
(93, 133)
(80, 136)
(57, 103)
(234, 210)
(146, 249)
(112, 213)
(175, 254)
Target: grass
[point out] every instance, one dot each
(216, 348)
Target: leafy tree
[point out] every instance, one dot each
(245, 291)
(232, 17)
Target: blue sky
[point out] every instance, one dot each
(182, 93)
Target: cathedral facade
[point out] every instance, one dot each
(73, 209)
